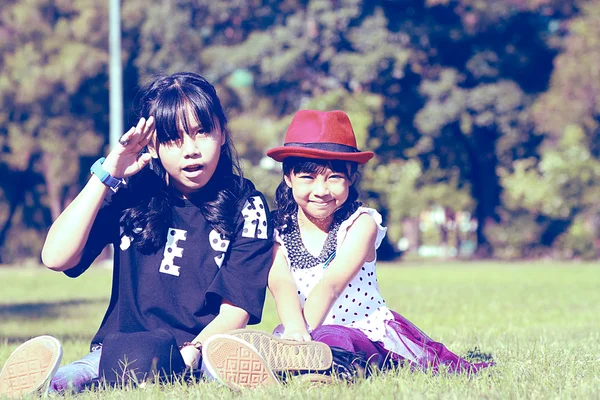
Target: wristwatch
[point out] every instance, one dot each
(113, 183)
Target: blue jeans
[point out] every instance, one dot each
(74, 375)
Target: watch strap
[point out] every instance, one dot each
(106, 178)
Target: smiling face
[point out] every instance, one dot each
(190, 160)
(319, 193)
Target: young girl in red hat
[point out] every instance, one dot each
(324, 277)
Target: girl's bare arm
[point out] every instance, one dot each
(68, 234)
(284, 291)
(230, 317)
(358, 247)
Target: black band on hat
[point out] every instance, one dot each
(334, 147)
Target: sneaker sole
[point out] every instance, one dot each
(287, 355)
(30, 367)
(236, 363)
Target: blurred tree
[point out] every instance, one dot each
(556, 193)
(574, 93)
(52, 57)
(476, 130)
(453, 94)
(459, 99)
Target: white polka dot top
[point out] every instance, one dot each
(360, 305)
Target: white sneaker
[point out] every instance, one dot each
(287, 355)
(30, 367)
(236, 363)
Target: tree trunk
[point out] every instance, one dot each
(485, 184)
(12, 210)
(19, 182)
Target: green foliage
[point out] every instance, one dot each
(566, 182)
(375, 50)
(479, 15)
(563, 186)
(574, 92)
(406, 197)
(516, 235)
(499, 108)
(469, 104)
(398, 189)
(578, 240)
(265, 179)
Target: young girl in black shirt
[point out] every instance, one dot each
(192, 239)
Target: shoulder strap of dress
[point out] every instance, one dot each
(381, 230)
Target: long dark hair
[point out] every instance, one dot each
(151, 214)
(284, 199)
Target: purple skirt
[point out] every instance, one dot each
(404, 344)
(424, 353)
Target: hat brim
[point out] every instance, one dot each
(283, 152)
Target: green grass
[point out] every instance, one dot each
(541, 322)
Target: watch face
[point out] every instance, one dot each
(114, 183)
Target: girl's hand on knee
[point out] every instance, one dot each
(124, 160)
(191, 356)
(300, 335)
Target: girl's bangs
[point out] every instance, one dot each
(171, 108)
(310, 166)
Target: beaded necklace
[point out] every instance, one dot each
(300, 257)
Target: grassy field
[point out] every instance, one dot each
(541, 322)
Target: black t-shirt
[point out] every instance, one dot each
(181, 286)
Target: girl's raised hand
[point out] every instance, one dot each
(124, 160)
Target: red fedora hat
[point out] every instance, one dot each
(325, 135)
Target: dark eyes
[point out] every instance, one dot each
(332, 176)
(174, 142)
(179, 141)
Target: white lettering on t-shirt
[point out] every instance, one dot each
(167, 266)
(255, 218)
(125, 242)
(218, 243)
